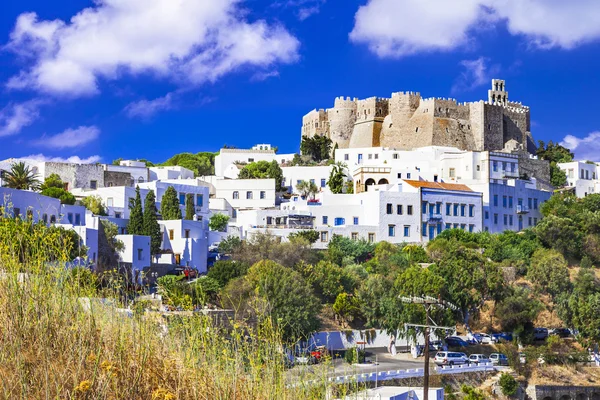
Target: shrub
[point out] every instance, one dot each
(355, 355)
(508, 384)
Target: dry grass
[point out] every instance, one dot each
(565, 375)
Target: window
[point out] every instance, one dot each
(140, 254)
(530, 221)
(571, 173)
(438, 208)
(177, 258)
(487, 215)
(94, 185)
(495, 200)
(78, 219)
(70, 218)
(389, 208)
(391, 230)
(399, 175)
(535, 204)
(406, 230)
(478, 168)
(409, 210)
(399, 209)
(471, 228)
(249, 195)
(66, 186)
(424, 229)
(496, 219)
(325, 219)
(45, 218)
(535, 221)
(408, 175)
(377, 156)
(439, 228)
(456, 210)
(463, 207)
(505, 219)
(323, 182)
(263, 194)
(312, 181)
(510, 202)
(251, 160)
(354, 235)
(109, 202)
(355, 220)
(510, 220)
(199, 200)
(269, 220)
(298, 182)
(324, 236)
(395, 156)
(187, 233)
(495, 166)
(513, 167)
(52, 217)
(371, 237)
(182, 198)
(463, 226)
(236, 195)
(471, 210)
(504, 201)
(424, 207)
(117, 215)
(339, 221)
(346, 157)
(171, 234)
(448, 209)
(530, 202)
(456, 226)
(452, 173)
(370, 156)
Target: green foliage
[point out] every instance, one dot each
(173, 291)
(329, 280)
(346, 306)
(355, 355)
(581, 312)
(549, 273)
(349, 187)
(357, 250)
(265, 246)
(307, 189)
(95, 205)
(311, 236)
(318, 147)
(59, 193)
(226, 270)
(517, 310)
(151, 225)
(190, 207)
(117, 161)
(21, 177)
(554, 152)
(561, 234)
(202, 164)
(169, 206)
(471, 393)
(337, 178)
(289, 299)
(52, 181)
(558, 177)
(204, 290)
(374, 296)
(230, 245)
(135, 226)
(263, 170)
(508, 384)
(218, 222)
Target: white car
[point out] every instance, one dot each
(450, 358)
(487, 339)
(478, 359)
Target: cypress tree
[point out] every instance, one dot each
(169, 206)
(151, 226)
(190, 209)
(136, 217)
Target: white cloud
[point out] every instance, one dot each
(187, 41)
(15, 117)
(262, 76)
(477, 73)
(70, 138)
(147, 108)
(395, 28)
(305, 8)
(72, 159)
(587, 148)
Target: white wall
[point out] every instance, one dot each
(171, 172)
(192, 250)
(582, 177)
(137, 252)
(138, 173)
(14, 200)
(317, 174)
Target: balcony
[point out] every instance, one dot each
(435, 218)
(522, 209)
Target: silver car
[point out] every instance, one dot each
(478, 359)
(450, 358)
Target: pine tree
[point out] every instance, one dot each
(136, 217)
(151, 226)
(169, 206)
(190, 209)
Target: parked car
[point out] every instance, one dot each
(503, 336)
(522, 358)
(487, 339)
(435, 345)
(450, 358)
(560, 332)
(455, 341)
(499, 359)
(540, 334)
(478, 359)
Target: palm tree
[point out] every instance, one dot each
(21, 177)
(307, 188)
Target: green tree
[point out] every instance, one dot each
(117, 161)
(341, 247)
(52, 181)
(169, 206)
(218, 222)
(555, 153)
(21, 177)
(59, 193)
(226, 270)
(307, 189)
(135, 226)
(202, 164)
(337, 177)
(347, 307)
(190, 207)
(549, 272)
(471, 393)
(151, 225)
(108, 246)
(287, 297)
(263, 170)
(230, 245)
(558, 177)
(374, 295)
(318, 147)
(311, 236)
(517, 310)
(562, 234)
(95, 205)
(329, 280)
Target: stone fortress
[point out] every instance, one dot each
(406, 121)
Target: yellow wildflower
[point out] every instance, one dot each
(163, 394)
(83, 386)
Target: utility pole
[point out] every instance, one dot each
(428, 301)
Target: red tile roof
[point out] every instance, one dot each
(439, 185)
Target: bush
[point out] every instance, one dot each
(355, 356)
(226, 270)
(218, 222)
(508, 384)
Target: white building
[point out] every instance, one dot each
(242, 194)
(228, 157)
(319, 175)
(136, 254)
(582, 177)
(169, 173)
(137, 169)
(184, 243)
(198, 192)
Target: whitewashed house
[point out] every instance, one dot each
(184, 243)
(583, 177)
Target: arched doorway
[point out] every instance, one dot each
(369, 182)
(383, 181)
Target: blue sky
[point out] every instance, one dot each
(151, 78)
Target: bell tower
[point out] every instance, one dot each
(498, 94)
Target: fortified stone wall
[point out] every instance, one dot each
(77, 175)
(565, 392)
(342, 118)
(116, 178)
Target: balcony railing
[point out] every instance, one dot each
(522, 209)
(435, 217)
